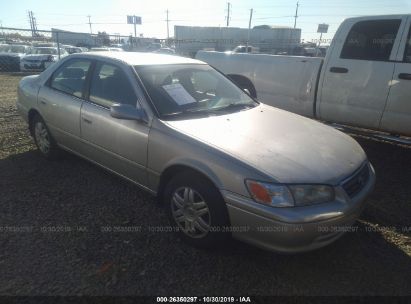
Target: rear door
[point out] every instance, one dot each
(117, 144)
(397, 114)
(60, 101)
(357, 76)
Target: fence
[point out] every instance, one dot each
(28, 50)
(34, 51)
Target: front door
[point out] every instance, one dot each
(358, 73)
(117, 144)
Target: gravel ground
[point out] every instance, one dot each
(55, 221)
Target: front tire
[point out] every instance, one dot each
(196, 210)
(43, 139)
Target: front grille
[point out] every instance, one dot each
(32, 60)
(357, 182)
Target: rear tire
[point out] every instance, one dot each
(42, 137)
(196, 210)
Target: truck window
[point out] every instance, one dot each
(407, 55)
(371, 40)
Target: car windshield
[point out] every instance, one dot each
(44, 51)
(189, 89)
(12, 49)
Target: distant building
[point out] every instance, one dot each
(71, 38)
(269, 39)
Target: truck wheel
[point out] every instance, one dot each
(43, 139)
(196, 210)
(244, 83)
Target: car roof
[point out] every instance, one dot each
(377, 17)
(137, 58)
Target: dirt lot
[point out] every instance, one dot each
(54, 238)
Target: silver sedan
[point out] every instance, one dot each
(222, 163)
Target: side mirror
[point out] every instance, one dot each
(126, 111)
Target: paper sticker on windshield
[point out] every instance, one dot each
(179, 94)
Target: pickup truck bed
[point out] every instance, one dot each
(297, 94)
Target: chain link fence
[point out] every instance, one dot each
(25, 50)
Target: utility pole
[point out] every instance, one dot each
(33, 24)
(168, 31)
(249, 29)
(296, 15)
(89, 23)
(135, 27)
(228, 13)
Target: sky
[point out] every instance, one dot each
(110, 15)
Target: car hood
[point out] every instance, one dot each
(286, 146)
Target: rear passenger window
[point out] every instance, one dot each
(371, 40)
(111, 85)
(407, 55)
(71, 77)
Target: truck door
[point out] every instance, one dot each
(397, 114)
(357, 75)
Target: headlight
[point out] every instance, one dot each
(311, 194)
(277, 195)
(270, 194)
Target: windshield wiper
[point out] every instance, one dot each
(233, 106)
(187, 112)
(208, 111)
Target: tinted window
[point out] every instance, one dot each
(111, 85)
(371, 40)
(71, 77)
(407, 56)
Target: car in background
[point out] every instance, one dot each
(10, 56)
(74, 49)
(99, 49)
(106, 49)
(244, 49)
(40, 58)
(222, 163)
(165, 50)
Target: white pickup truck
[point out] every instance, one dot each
(364, 81)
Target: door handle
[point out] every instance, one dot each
(87, 120)
(338, 70)
(404, 76)
(42, 101)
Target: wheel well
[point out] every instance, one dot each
(172, 171)
(31, 115)
(244, 83)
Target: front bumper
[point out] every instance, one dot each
(296, 229)
(34, 66)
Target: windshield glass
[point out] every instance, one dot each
(12, 49)
(191, 88)
(42, 51)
